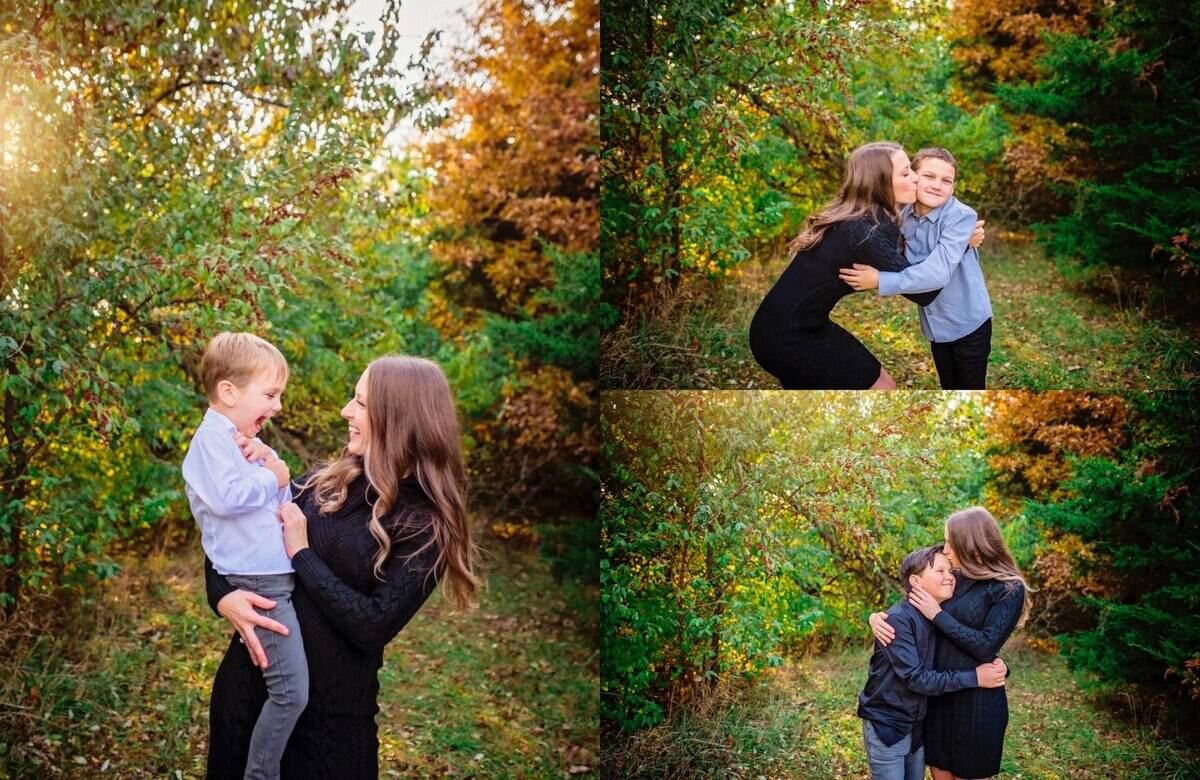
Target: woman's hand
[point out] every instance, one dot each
(920, 598)
(238, 608)
(295, 528)
(860, 277)
(883, 631)
(253, 449)
(977, 236)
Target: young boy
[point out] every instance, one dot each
(892, 705)
(937, 230)
(235, 503)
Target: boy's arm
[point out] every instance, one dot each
(935, 270)
(914, 670)
(220, 482)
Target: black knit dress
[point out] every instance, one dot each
(347, 616)
(964, 730)
(791, 334)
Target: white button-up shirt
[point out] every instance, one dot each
(235, 502)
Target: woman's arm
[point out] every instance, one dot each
(984, 643)
(369, 620)
(216, 585)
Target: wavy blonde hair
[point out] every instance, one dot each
(982, 554)
(413, 431)
(866, 187)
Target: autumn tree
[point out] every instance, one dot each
(513, 223)
(740, 527)
(1138, 512)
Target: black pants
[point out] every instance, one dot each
(962, 363)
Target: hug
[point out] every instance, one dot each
(318, 574)
(935, 689)
(895, 227)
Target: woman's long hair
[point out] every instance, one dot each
(866, 188)
(413, 430)
(982, 554)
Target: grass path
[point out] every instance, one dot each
(508, 690)
(798, 723)
(1046, 335)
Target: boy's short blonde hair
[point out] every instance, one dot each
(239, 357)
(935, 153)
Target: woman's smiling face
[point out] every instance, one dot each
(950, 552)
(355, 413)
(904, 181)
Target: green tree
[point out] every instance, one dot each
(1138, 510)
(719, 125)
(738, 527)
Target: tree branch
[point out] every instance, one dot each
(182, 83)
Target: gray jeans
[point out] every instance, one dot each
(286, 674)
(895, 762)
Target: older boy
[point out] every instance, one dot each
(892, 705)
(938, 232)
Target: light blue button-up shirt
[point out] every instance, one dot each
(235, 502)
(937, 248)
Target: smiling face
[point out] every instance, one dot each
(950, 551)
(904, 181)
(935, 182)
(250, 406)
(355, 413)
(937, 579)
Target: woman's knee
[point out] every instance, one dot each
(885, 381)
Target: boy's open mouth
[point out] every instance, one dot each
(258, 424)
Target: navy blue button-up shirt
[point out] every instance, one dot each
(901, 676)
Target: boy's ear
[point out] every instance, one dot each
(226, 391)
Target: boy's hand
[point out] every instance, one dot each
(861, 277)
(253, 449)
(977, 236)
(280, 470)
(991, 675)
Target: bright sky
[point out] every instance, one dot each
(417, 19)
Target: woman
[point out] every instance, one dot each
(964, 731)
(369, 536)
(791, 334)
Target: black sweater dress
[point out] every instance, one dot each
(791, 334)
(964, 730)
(347, 616)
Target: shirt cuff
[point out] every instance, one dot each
(889, 283)
(968, 678)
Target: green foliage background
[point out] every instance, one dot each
(168, 170)
(741, 528)
(725, 124)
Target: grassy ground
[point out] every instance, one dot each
(508, 690)
(799, 723)
(1047, 334)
